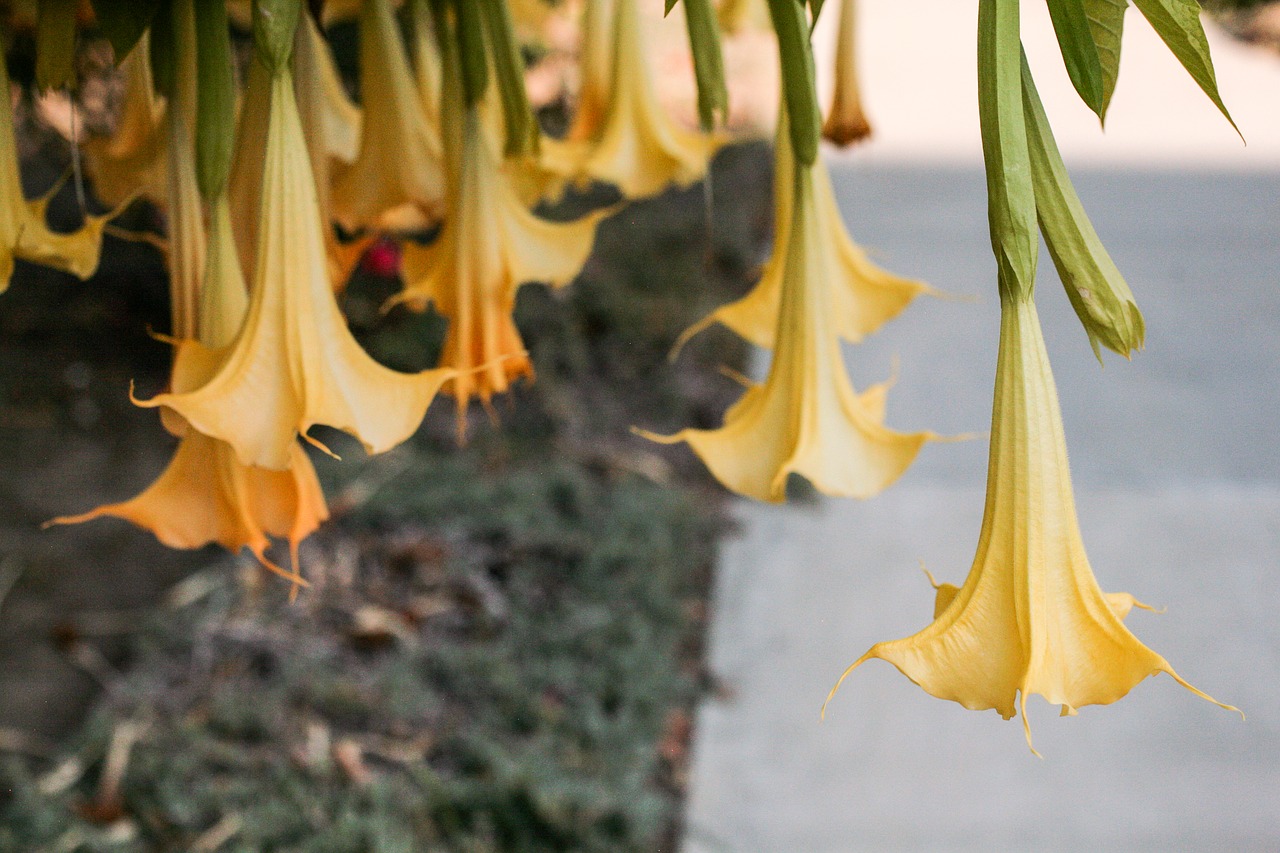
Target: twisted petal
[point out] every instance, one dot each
(294, 363)
(1030, 618)
(206, 495)
(806, 418)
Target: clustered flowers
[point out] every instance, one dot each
(272, 192)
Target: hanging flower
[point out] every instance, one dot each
(24, 232)
(864, 297)
(1030, 618)
(399, 164)
(847, 123)
(206, 494)
(637, 147)
(293, 363)
(489, 245)
(805, 418)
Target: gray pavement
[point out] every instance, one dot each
(1178, 487)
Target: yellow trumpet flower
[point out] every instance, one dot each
(489, 245)
(846, 122)
(206, 494)
(805, 418)
(399, 163)
(327, 126)
(1030, 618)
(24, 232)
(637, 146)
(595, 64)
(293, 363)
(864, 296)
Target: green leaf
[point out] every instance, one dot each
(1011, 201)
(815, 9)
(708, 62)
(56, 44)
(1097, 291)
(799, 93)
(215, 97)
(1079, 52)
(1106, 23)
(122, 22)
(522, 128)
(668, 6)
(1177, 22)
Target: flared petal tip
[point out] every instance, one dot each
(658, 437)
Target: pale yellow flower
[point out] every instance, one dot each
(1030, 618)
(846, 122)
(636, 146)
(293, 363)
(400, 163)
(489, 245)
(806, 418)
(863, 296)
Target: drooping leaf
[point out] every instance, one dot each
(708, 62)
(1098, 292)
(1079, 52)
(1177, 22)
(1106, 23)
(122, 22)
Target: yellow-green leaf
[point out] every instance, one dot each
(1106, 23)
(708, 62)
(1079, 52)
(1177, 22)
(1098, 292)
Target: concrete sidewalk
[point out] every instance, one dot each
(1178, 486)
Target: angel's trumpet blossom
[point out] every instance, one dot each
(400, 163)
(806, 418)
(327, 131)
(1030, 618)
(489, 245)
(863, 296)
(23, 230)
(293, 363)
(206, 494)
(846, 122)
(637, 146)
(132, 160)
